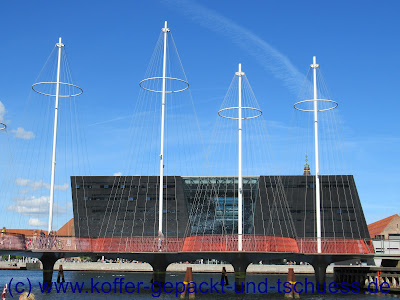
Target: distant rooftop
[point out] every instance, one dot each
(378, 227)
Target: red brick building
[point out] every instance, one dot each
(388, 228)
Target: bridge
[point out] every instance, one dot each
(167, 218)
(162, 252)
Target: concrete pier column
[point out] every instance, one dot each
(240, 264)
(48, 260)
(159, 264)
(320, 264)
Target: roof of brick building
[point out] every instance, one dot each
(377, 227)
(24, 231)
(67, 229)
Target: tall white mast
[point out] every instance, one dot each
(146, 84)
(240, 118)
(53, 164)
(161, 197)
(240, 175)
(317, 188)
(298, 106)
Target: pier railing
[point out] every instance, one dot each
(206, 243)
(137, 244)
(386, 246)
(112, 244)
(210, 243)
(12, 242)
(336, 246)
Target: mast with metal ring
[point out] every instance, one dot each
(315, 110)
(76, 91)
(53, 161)
(256, 113)
(240, 175)
(169, 85)
(161, 193)
(314, 66)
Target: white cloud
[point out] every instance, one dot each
(21, 133)
(37, 185)
(31, 205)
(22, 181)
(63, 187)
(118, 174)
(36, 222)
(35, 206)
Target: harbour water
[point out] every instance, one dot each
(97, 285)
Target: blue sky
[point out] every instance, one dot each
(109, 46)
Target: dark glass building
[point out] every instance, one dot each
(127, 206)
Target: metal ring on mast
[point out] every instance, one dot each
(258, 111)
(167, 92)
(79, 90)
(335, 104)
(3, 126)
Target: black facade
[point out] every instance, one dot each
(126, 206)
(341, 212)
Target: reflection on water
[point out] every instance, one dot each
(91, 282)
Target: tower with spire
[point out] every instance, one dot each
(307, 167)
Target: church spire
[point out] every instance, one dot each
(307, 167)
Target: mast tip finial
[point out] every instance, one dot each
(240, 73)
(314, 65)
(59, 44)
(165, 29)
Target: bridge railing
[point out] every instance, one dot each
(55, 243)
(249, 243)
(386, 246)
(138, 244)
(207, 243)
(12, 242)
(336, 246)
(151, 244)
(110, 244)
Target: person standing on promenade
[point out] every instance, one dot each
(3, 235)
(42, 239)
(34, 242)
(224, 277)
